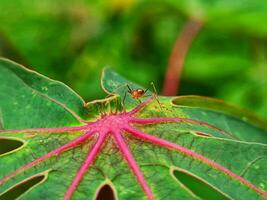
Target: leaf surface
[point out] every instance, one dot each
(79, 147)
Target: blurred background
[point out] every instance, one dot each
(72, 40)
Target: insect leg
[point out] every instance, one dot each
(156, 94)
(123, 102)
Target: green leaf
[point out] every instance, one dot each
(137, 149)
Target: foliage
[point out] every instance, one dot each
(64, 147)
(227, 59)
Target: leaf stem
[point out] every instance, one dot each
(87, 163)
(177, 57)
(132, 164)
(56, 130)
(55, 152)
(166, 144)
(192, 121)
(141, 105)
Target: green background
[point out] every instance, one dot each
(72, 40)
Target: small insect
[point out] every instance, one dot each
(137, 94)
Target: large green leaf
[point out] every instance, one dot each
(63, 147)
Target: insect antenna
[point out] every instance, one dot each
(129, 89)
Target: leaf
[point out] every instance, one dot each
(35, 94)
(137, 149)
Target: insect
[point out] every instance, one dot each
(137, 93)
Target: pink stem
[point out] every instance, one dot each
(141, 105)
(132, 164)
(55, 152)
(83, 169)
(188, 152)
(57, 130)
(178, 55)
(166, 120)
